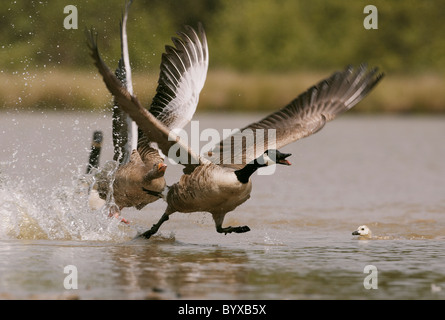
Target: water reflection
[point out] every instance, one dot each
(171, 270)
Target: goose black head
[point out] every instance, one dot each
(273, 156)
(269, 157)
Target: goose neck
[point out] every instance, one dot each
(244, 174)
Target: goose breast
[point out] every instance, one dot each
(208, 188)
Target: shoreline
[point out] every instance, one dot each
(65, 90)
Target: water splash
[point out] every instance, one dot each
(62, 213)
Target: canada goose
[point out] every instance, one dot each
(215, 189)
(209, 184)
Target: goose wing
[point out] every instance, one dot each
(182, 77)
(304, 116)
(124, 128)
(153, 129)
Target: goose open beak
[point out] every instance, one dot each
(282, 159)
(162, 167)
(285, 162)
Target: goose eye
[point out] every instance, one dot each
(363, 229)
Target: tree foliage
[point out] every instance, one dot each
(246, 35)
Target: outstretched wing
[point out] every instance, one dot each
(304, 116)
(182, 77)
(125, 133)
(152, 128)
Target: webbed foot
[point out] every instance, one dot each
(241, 229)
(147, 234)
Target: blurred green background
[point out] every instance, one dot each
(263, 53)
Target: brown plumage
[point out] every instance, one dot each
(144, 170)
(209, 188)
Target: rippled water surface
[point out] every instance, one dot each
(385, 172)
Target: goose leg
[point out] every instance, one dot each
(147, 234)
(219, 218)
(240, 229)
(116, 212)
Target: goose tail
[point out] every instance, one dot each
(96, 145)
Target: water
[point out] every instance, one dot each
(385, 172)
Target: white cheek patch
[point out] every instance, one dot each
(267, 171)
(268, 161)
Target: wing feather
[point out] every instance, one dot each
(125, 133)
(153, 129)
(304, 116)
(182, 77)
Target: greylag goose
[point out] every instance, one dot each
(210, 184)
(139, 165)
